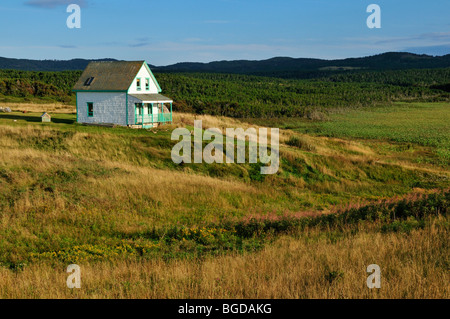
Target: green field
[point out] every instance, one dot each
(426, 124)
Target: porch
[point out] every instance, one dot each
(151, 110)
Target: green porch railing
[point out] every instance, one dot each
(153, 118)
(164, 117)
(148, 118)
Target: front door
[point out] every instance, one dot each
(138, 113)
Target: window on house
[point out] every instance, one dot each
(147, 84)
(138, 83)
(149, 108)
(139, 109)
(90, 107)
(89, 81)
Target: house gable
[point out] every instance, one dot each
(144, 82)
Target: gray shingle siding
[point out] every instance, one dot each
(109, 107)
(131, 102)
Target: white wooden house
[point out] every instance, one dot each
(122, 93)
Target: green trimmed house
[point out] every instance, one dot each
(122, 93)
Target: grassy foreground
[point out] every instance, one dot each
(414, 265)
(112, 201)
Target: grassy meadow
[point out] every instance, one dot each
(359, 187)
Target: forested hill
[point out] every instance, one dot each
(45, 65)
(290, 67)
(279, 67)
(244, 96)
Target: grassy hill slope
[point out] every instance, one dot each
(112, 199)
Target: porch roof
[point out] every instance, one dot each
(152, 98)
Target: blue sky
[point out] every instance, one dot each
(170, 31)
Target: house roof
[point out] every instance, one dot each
(45, 114)
(152, 98)
(108, 75)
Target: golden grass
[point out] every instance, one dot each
(169, 193)
(222, 123)
(123, 186)
(33, 107)
(412, 266)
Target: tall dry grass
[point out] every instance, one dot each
(62, 187)
(35, 108)
(308, 265)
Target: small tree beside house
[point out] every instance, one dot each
(122, 93)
